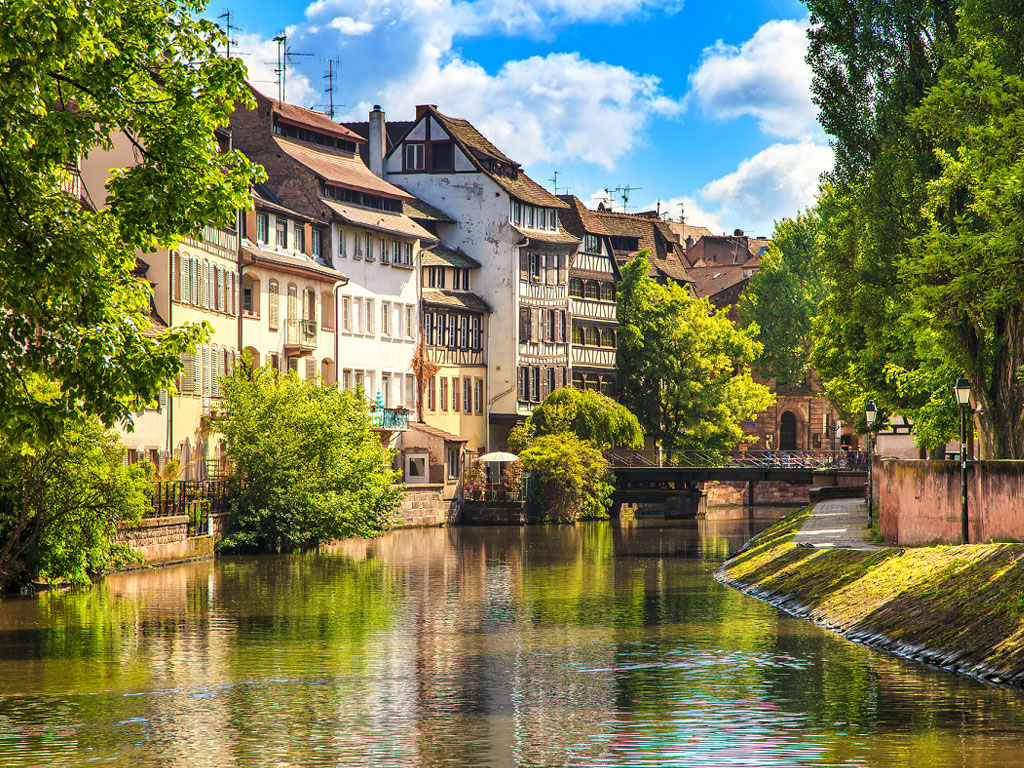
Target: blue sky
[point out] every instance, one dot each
(694, 101)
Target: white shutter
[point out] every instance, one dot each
(215, 372)
(234, 293)
(162, 400)
(197, 372)
(187, 374)
(221, 288)
(174, 275)
(196, 277)
(186, 287)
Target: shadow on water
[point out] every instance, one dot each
(589, 645)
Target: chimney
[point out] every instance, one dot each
(689, 242)
(422, 108)
(737, 233)
(378, 140)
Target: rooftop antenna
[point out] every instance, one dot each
(624, 194)
(228, 29)
(283, 56)
(329, 90)
(659, 208)
(554, 181)
(682, 213)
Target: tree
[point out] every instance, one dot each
(590, 416)
(73, 77)
(685, 367)
(61, 506)
(782, 299)
(572, 477)
(311, 469)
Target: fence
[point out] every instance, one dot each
(853, 460)
(195, 498)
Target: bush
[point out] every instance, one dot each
(311, 469)
(62, 503)
(571, 477)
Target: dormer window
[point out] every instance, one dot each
(414, 156)
(282, 234)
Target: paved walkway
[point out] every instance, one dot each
(840, 523)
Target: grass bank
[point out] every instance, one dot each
(960, 608)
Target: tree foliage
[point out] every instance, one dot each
(782, 299)
(572, 478)
(61, 505)
(922, 215)
(74, 76)
(685, 367)
(590, 416)
(310, 467)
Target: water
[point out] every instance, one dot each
(595, 645)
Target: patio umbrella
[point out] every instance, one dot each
(498, 457)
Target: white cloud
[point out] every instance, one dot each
(777, 182)
(399, 53)
(765, 77)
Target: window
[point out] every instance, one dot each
(346, 314)
(385, 255)
(577, 381)
(408, 322)
(282, 233)
(300, 238)
(385, 318)
(524, 384)
(551, 325)
(551, 379)
(577, 335)
(342, 245)
(453, 331)
(317, 244)
(273, 309)
(467, 395)
(476, 342)
(542, 218)
(535, 264)
(535, 384)
(407, 255)
(441, 154)
(607, 337)
(591, 243)
(593, 291)
(309, 304)
(369, 247)
(396, 251)
(293, 303)
(478, 395)
(607, 291)
(357, 246)
(453, 464)
(593, 337)
(346, 378)
(529, 216)
(369, 316)
(517, 212)
(444, 393)
(455, 395)
(410, 392)
(428, 328)
(464, 331)
(262, 228)
(413, 157)
(576, 287)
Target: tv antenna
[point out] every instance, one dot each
(329, 76)
(682, 213)
(554, 182)
(228, 29)
(284, 55)
(622, 192)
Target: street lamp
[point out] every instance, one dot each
(962, 390)
(870, 414)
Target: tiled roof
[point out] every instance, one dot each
(420, 209)
(724, 250)
(312, 119)
(709, 281)
(457, 299)
(384, 221)
(652, 234)
(337, 168)
(264, 199)
(426, 429)
(579, 219)
(395, 131)
(442, 256)
(258, 256)
(550, 237)
(522, 187)
(682, 231)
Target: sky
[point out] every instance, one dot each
(703, 104)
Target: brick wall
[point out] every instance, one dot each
(427, 505)
(919, 500)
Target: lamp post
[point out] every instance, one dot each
(962, 390)
(870, 413)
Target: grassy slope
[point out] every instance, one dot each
(961, 607)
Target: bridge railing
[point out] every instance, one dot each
(698, 459)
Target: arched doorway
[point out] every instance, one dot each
(787, 432)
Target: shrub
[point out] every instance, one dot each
(571, 477)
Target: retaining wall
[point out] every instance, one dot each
(919, 500)
(494, 513)
(165, 540)
(427, 505)
(765, 492)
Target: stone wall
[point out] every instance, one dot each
(427, 505)
(919, 500)
(494, 513)
(766, 492)
(165, 540)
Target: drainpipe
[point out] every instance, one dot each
(337, 325)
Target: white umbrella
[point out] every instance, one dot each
(498, 457)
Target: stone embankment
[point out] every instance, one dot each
(960, 608)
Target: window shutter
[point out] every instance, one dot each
(310, 368)
(524, 324)
(162, 400)
(206, 371)
(187, 374)
(221, 289)
(235, 292)
(524, 265)
(215, 355)
(197, 372)
(174, 275)
(536, 321)
(545, 390)
(184, 292)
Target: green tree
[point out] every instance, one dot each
(782, 299)
(590, 416)
(685, 367)
(311, 469)
(74, 76)
(61, 505)
(572, 479)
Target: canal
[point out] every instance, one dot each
(594, 645)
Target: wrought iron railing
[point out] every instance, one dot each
(300, 333)
(697, 459)
(197, 499)
(389, 418)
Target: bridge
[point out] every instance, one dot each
(658, 476)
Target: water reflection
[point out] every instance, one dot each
(555, 646)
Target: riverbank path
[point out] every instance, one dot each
(836, 523)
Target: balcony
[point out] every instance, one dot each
(300, 336)
(389, 419)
